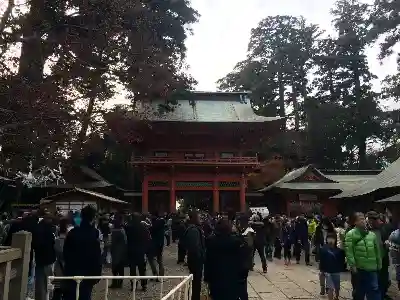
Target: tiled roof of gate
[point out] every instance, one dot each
(388, 178)
(207, 107)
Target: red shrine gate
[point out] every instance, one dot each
(213, 174)
(207, 143)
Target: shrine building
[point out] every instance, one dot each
(200, 150)
(309, 190)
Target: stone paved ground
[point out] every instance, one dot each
(293, 282)
(280, 283)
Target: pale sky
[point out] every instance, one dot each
(221, 36)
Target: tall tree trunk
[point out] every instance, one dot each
(306, 101)
(27, 92)
(32, 60)
(309, 109)
(77, 152)
(296, 108)
(5, 17)
(281, 88)
(361, 139)
(362, 154)
(331, 87)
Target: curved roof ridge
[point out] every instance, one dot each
(389, 177)
(295, 174)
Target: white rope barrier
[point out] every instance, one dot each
(183, 288)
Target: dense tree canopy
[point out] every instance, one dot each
(62, 60)
(323, 83)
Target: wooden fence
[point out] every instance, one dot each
(14, 267)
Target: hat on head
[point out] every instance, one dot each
(373, 215)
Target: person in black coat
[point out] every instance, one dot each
(174, 227)
(181, 245)
(104, 227)
(321, 232)
(27, 223)
(118, 250)
(224, 267)
(246, 234)
(269, 232)
(82, 255)
(301, 240)
(207, 228)
(43, 241)
(15, 226)
(139, 240)
(260, 241)
(195, 246)
(155, 253)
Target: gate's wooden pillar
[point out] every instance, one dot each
(243, 194)
(215, 196)
(145, 195)
(172, 196)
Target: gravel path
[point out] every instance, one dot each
(153, 288)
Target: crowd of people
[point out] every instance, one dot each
(218, 250)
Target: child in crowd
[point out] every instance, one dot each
(331, 264)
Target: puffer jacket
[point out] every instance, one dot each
(312, 226)
(362, 250)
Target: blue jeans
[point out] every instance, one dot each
(366, 285)
(31, 281)
(329, 281)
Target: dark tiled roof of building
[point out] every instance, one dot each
(395, 198)
(206, 107)
(52, 198)
(350, 178)
(388, 178)
(292, 176)
(330, 182)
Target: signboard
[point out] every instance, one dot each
(65, 207)
(311, 177)
(304, 207)
(308, 197)
(264, 211)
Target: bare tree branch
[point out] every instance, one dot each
(6, 16)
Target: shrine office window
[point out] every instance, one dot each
(189, 155)
(227, 154)
(161, 154)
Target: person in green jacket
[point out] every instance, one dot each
(364, 258)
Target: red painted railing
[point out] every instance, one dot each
(193, 160)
